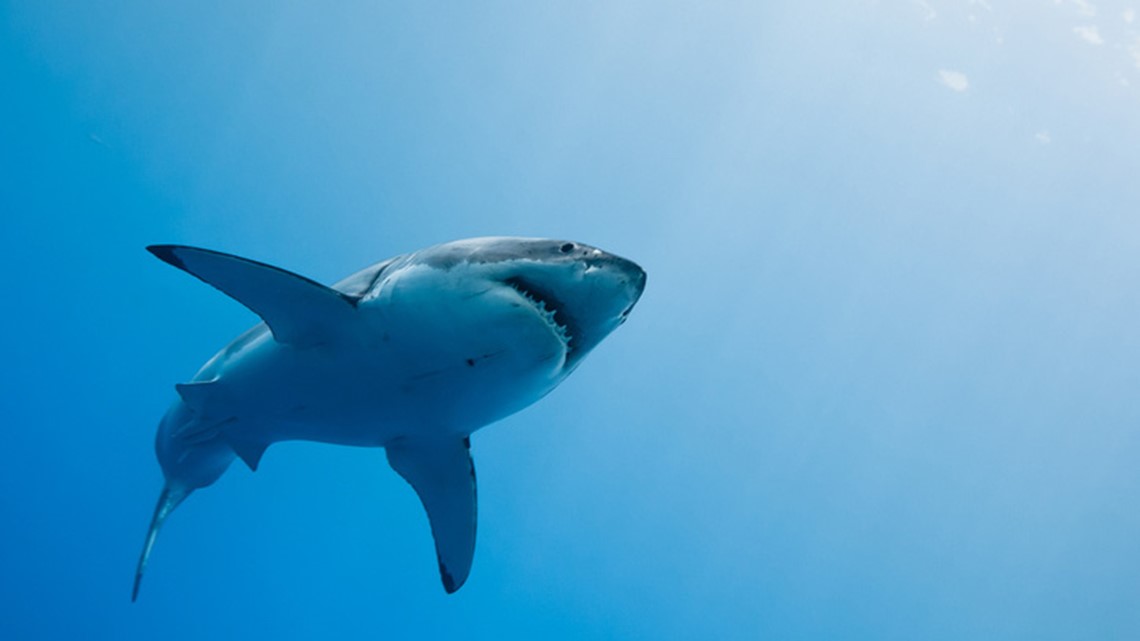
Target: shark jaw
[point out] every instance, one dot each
(550, 309)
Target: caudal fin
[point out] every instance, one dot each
(167, 501)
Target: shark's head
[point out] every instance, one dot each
(551, 301)
(579, 292)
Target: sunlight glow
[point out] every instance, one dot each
(955, 80)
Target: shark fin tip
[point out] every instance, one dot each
(166, 253)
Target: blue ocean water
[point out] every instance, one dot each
(881, 385)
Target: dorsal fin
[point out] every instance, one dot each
(299, 311)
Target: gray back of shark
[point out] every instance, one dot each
(412, 354)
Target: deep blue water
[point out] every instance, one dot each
(882, 384)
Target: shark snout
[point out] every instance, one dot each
(629, 271)
(631, 278)
(636, 277)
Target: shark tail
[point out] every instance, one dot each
(169, 499)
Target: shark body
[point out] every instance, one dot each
(412, 354)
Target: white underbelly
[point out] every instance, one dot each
(367, 397)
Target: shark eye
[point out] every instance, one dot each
(566, 248)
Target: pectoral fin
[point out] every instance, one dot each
(299, 311)
(443, 475)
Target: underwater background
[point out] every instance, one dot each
(882, 383)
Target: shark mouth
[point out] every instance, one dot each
(550, 308)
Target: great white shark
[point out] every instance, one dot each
(412, 354)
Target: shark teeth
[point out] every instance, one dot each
(547, 309)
